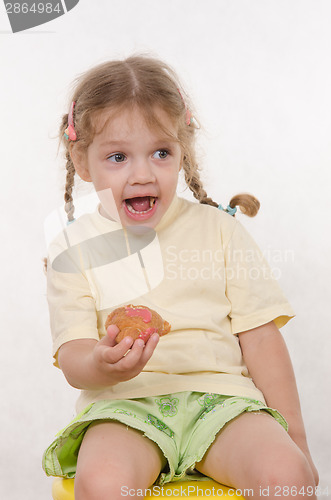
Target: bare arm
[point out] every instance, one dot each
(269, 364)
(89, 364)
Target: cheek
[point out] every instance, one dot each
(173, 179)
(103, 179)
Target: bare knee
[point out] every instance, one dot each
(287, 474)
(113, 457)
(112, 484)
(92, 485)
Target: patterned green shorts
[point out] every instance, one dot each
(182, 424)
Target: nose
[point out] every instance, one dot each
(141, 172)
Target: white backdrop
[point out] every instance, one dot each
(259, 74)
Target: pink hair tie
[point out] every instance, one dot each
(188, 115)
(70, 132)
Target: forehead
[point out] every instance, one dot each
(130, 122)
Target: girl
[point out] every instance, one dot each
(217, 394)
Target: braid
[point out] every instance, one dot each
(70, 179)
(247, 203)
(192, 178)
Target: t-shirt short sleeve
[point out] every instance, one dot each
(71, 307)
(255, 295)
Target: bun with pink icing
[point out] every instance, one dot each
(138, 322)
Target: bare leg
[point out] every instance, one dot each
(114, 459)
(255, 453)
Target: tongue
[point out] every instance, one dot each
(140, 204)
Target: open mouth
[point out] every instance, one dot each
(141, 204)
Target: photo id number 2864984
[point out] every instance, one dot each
(34, 8)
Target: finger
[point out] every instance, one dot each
(132, 357)
(109, 338)
(112, 331)
(115, 353)
(149, 348)
(139, 354)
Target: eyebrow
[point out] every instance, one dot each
(114, 143)
(126, 143)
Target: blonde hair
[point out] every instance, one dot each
(147, 83)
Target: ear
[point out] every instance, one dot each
(80, 162)
(181, 164)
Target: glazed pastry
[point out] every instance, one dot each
(138, 322)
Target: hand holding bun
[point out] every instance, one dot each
(138, 322)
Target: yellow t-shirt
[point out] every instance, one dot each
(199, 269)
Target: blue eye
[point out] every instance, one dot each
(161, 154)
(117, 157)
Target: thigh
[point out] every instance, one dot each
(112, 452)
(254, 450)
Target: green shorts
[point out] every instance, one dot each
(182, 424)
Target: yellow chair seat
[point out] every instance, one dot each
(63, 489)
